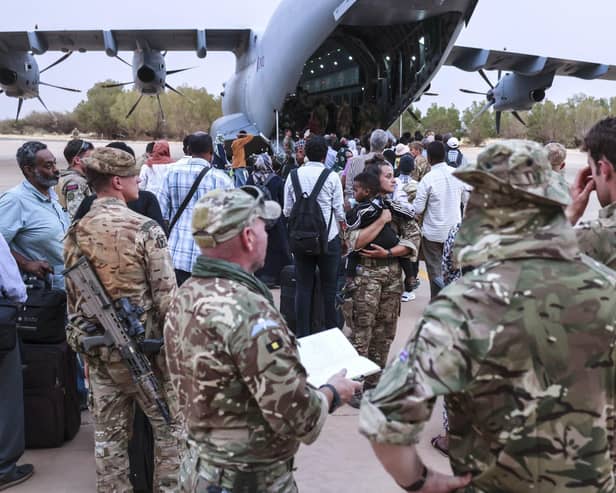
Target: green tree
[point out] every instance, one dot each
(409, 124)
(94, 114)
(548, 122)
(586, 111)
(478, 128)
(442, 120)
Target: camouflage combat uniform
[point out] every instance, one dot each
(522, 347)
(242, 392)
(130, 255)
(598, 238)
(422, 168)
(373, 310)
(72, 189)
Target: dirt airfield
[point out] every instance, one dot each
(340, 460)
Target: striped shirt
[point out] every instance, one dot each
(175, 186)
(439, 196)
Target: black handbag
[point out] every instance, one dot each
(42, 318)
(8, 325)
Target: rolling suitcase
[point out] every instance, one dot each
(51, 402)
(287, 300)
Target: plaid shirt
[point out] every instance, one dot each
(175, 187)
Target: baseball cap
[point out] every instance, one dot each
(221, 215)
(453, 143)
(402, 149)
(516, 167)
(111, 161)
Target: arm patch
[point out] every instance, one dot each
(274, 346)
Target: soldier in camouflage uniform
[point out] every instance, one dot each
(522, 348)
(373, 310)
(130, 255)
(73, 186)
(241, 389)
(422, 166)
(597, 238)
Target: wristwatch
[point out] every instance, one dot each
(389, 253)
(336, 397)
(419, 484)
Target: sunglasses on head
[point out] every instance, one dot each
(85, 146)
(260, 198)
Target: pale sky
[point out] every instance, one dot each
(559, 28)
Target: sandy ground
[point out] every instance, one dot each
(340, 460)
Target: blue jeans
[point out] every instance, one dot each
(240, 176)
(305, 267)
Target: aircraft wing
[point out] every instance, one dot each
(112, 41)
(473, 59)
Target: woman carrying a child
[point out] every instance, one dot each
(380, 232)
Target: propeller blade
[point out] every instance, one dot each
(59, 87)
(45, 106)
(174, 90)
(498, 122)
(485, 77)
(500, 72)
(134, 106)
(123, 61)
(171, 72)
(1, 91)
(59, 60)
(518, 117)
(164, 53)
(160, 107)
(484, 109)
(468, 91)
(430, 94)
(19, 103)
(120, 84)
(413, 115)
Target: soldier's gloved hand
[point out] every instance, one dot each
(345, 387)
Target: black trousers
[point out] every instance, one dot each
(12, 434)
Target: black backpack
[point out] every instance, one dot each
(307, 229)
(457, 162)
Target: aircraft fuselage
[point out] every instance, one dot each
(354, 65)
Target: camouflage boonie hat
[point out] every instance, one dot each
(222, 214)
(516, 167)
(110, 161)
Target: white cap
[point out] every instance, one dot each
(453, 143)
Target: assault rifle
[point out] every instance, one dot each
(123, 329)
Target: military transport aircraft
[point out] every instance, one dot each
(357, 64)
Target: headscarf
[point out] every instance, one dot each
(353, 146)
(160, 153)
(263, 169)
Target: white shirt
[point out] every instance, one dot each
(330, 160)
(439, 194)
(152, 177)
(330, 196)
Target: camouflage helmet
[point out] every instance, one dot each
(111, 161)
(221, 215)
(516, 167)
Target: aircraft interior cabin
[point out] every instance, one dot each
(361, 76)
